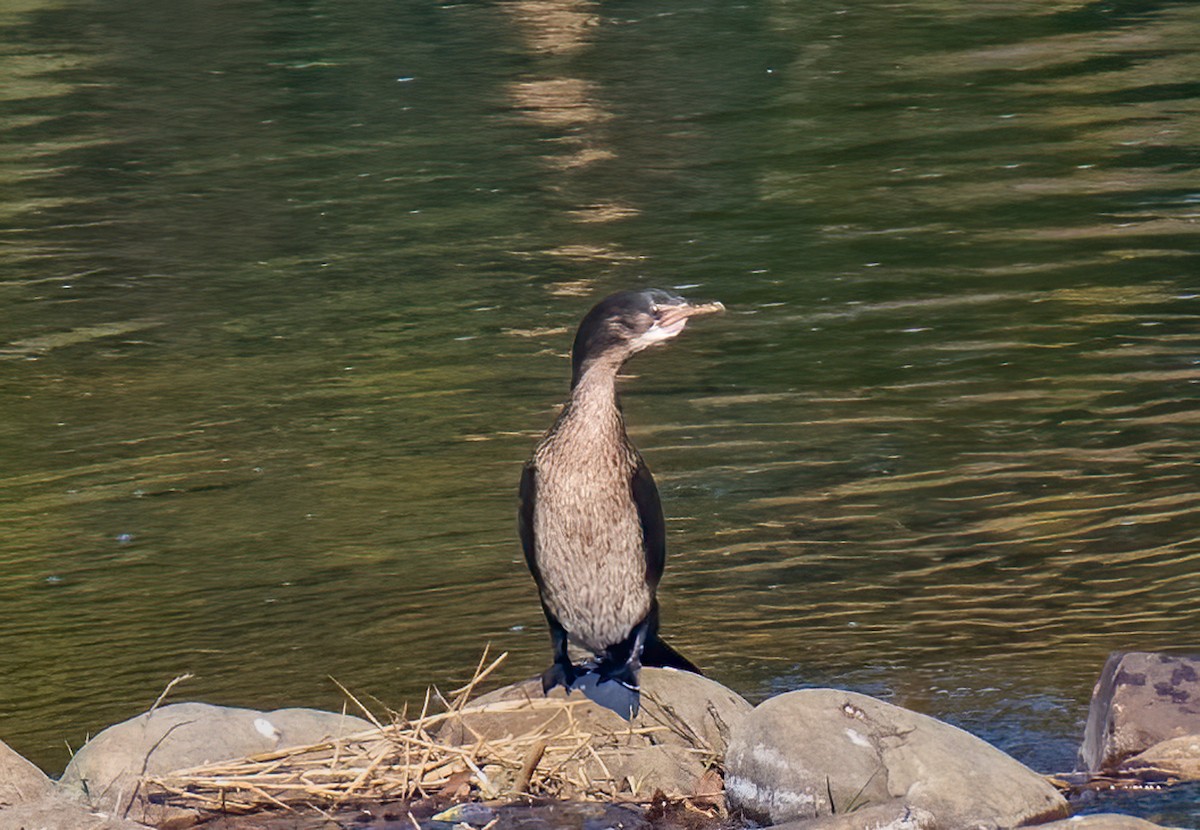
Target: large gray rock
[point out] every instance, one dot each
(1140, 699)
(105, 773)
(20, 781)
(691, 716)
(822, 752)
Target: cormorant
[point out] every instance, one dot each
(590, 520)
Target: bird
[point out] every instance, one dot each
(590, 518)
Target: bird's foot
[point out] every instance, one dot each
(559, 674)
(614, 687)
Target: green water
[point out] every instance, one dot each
(286, 291)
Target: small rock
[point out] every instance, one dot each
(1101, 821)
(1141, 699)
(821, 752)
(105, 773)
(20, 781)
(1178, 759)
(894, 815)
(469, 812)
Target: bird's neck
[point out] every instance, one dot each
(599, 368)
(594, 405)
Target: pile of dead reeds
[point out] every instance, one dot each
(406, 759)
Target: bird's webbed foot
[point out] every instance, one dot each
(561, 673)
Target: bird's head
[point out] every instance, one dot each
(625, 323)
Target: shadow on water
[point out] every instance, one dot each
(284, 307)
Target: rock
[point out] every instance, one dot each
(105, 772)
(692, 717)
(54, 813)
(894, 815)
(20, 781)
(1140, 699)
(1177, 759)
(1101, 821)
(821, 752)
(29, 799)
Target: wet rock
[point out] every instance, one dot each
(818, 753)
(1175, 760)
(1141, 699)
(692, 717)
(1101, 821)
(20, 781)
(104, 774)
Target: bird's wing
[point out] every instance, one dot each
(525, 520)
(654, 528)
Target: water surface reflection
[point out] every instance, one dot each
(285, 307)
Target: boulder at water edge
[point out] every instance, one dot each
(822, 752)
(20, 781)
(1141, 699)
(29, 799)
(57, 813)
(105, 773)
(680, 732)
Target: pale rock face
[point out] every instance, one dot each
(1101, 821)
(1140, 699)
(1177, 758)
(827, 753)
(30, 800)
(20, 781)
(105, 773)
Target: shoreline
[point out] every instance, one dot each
(697, 757)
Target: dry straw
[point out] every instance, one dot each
(410, 758)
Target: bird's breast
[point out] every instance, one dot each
(590, 551)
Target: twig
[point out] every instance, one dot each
(370, 715)
(532, 758)
(461, 695)
(181, 678)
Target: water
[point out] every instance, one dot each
(287, 290)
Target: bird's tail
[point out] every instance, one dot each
(656, 652)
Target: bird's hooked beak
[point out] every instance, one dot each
(669, 319)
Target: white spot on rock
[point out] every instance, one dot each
(267, 729)
(769, 756)
(744, 791)
(858, 739)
